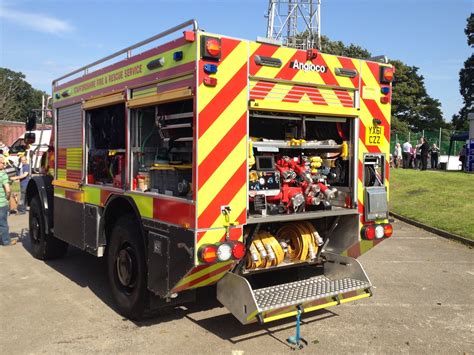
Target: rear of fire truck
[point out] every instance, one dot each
(314, 196)
(212, 160)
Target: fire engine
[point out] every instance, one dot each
(208, 160)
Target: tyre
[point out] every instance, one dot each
(44, 246)
(126, 268)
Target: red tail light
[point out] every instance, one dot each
(208, 254)
(368, 232)
(385, 99)
(388, 230)
(238, 250)
(386, 75)
(209, 81)
(211, 48)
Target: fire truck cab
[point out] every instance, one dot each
(209, 160)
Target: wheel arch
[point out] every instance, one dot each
(117, 206)
(42, 186)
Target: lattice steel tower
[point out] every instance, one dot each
(297, 23)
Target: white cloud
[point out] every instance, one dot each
(37, 22)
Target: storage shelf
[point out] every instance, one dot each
(175, 126)
(177, 116)
(335, 211)
(182, 139)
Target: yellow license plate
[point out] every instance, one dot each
(373, 135)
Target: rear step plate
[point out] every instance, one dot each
(344, 280)
(299, 292)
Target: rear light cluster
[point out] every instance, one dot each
(386, 77)
(377, 231)
(210, 50)
(226, 251)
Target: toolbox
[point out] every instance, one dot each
(173, 180)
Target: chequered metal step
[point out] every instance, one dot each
(302, 291)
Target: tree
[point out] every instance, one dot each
(411, 102)
(17, 96)
(412, 107)
(339, 48)
(466, 80)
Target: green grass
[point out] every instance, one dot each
(440, 199)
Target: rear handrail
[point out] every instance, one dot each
(128, 50)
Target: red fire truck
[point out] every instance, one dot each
(209, 160)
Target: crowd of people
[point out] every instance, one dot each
(22, 176)
(408, 157)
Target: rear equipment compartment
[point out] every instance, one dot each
(298, 163)
(302, 216)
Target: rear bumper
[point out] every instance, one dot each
(344, 281)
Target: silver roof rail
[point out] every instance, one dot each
(128, 50)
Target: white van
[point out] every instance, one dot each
(34, 151)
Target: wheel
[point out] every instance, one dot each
(126, 267)
(44, 245)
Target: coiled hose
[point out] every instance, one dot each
(294, 241)
(265, 251)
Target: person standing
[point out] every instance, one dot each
(434, 151)
(397, 155)
(406, 154)
(23, 178)
(411, 164)
(4, 206)
(424, 149)
(418, 154)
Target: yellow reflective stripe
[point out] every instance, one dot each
(321, 306)
(282, 53)
(189, 55)
(166, 82)
(145, 92)
(227, 69)
(61, 174)
(222, 175)
(144, 205)
(92, 195)
(334, 63)
(365, 245)
(280, 316)
(355, 298)
(222, 125)
(314, 308)
(252, 315)
(212, 236)
(384, 146)
(238, 204)
(59, 192)
(303, 108)
(308, 77)
(210, 280)
(74, 158)
(369, 79)
(202, 272)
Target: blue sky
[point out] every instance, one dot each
(45, 39)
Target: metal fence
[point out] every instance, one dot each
(439, 137)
